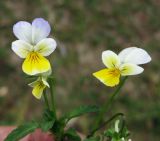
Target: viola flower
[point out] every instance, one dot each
(33, 45)
(40, 84)
(124, 64)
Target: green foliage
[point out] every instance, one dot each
(80, 111)
(71, 135)
(117, 135)
(22, 131)
(48, 120)
(97, 138)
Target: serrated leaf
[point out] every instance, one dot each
(21, 131)
(80, 111)
(72, 135)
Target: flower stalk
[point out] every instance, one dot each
(108, 103)
(46, 100)
(53, 108)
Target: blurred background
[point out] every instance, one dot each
(83, 29)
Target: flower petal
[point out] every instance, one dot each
(109, 77)
(130, 69)
(38, 90)
(38, 87)
(110, 59)
(23, 31)
(46, 46)
(134, 55)
(44, 80)
(21, 48)
(35, 64)
(40, 30)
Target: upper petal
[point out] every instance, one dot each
(130, 69)
(23, 31)
(46, 46)
(134, 55)
(110, 59)
(40, 30)
(21, 48)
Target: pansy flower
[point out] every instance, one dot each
(33, 45)
(40, 84)
(124, 64)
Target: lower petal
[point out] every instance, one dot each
(38, 90)
(110, 77)
(35, 64)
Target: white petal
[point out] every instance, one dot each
(44, 80)
(21, 48)
(23, 31)
(130, 69)
(110, 59)
(46, 46)
(40, 30)
(34, 83)
(134, 55)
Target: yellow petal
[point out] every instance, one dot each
(35, 63)
(110, 77)
(38, 89)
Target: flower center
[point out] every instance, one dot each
(34, 57)
(115, 72)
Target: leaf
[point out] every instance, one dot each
(80, 111)
(22, 131)
(47, 121)
(46, 125)
(93, 139)
(48, 115)
(72, 135)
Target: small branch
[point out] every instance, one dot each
(105, 123)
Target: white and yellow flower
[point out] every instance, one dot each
(33, 45)
(124, 64)
(40, 84)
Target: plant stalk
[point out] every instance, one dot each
(46, 99)
(105, 123)
(108, 103)
(53, 108)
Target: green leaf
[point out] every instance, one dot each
(48, 115)
(22, 131)
(80, 111)
(72, 135)
(46, 125)
(48, 120)
(93, 139)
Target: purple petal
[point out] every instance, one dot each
(40, 30)
(23, 30)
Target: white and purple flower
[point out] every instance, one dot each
(33, 45)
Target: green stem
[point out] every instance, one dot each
(52, 96)
(46, 99)
(105, 123)
(108, 103)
